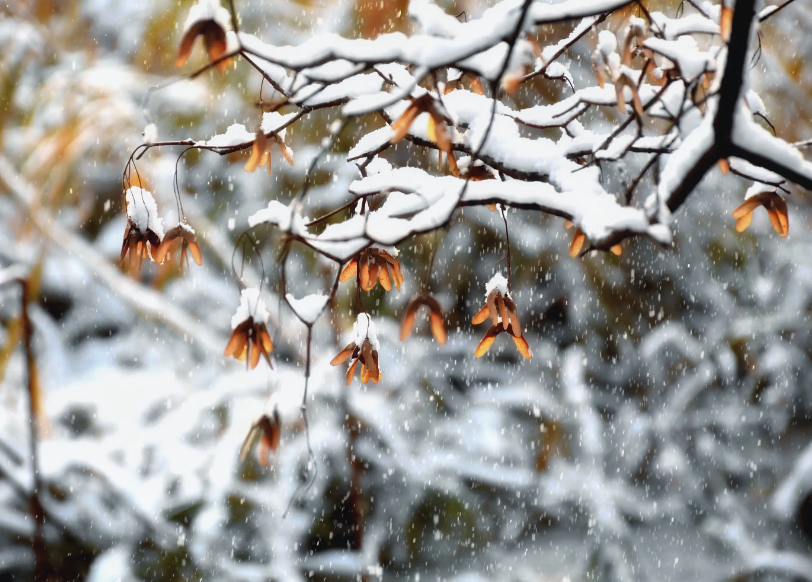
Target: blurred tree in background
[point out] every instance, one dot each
(661, 430)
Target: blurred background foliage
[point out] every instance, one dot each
(667, 404)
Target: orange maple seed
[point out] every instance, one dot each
(372, 277)
(264, 453)
(748, 206)
(521, 345)
(194, 248)
(636, 103)
(487, 341)
(781, 211)
(364, 374)
(397, 275)
(160, 253)
(255, 353)
(503, 312)
(513, 315)
(343, 355)
(620, 95)
(491, 207)
(249, 441)
(285, 151)
(384, 278)
(600, 74)
(491, 302)
(777, 221)
(259, 153)
(349, 271)
(351, 371)
(724, 165)
(407, 325)
(577, 243)
(453, 169)
(726, 22)
(481, 315)
(438, 327)
(215, 41)
(743, 222)
(236, 344)
(568, 225)
(511, 82)
(265, 338)
(616, 250)
(364, 272)
(400, 127)
(437, 133)
(366, 355)
(476, 85)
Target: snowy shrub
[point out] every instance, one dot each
(657, 385)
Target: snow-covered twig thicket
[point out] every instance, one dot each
(644, 439)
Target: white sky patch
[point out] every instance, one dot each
(364, 328)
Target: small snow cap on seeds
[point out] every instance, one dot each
(142, 211)
(144, 230)
(763, 195)
(364, 328)
(364, 348)
(250, 337)
(503, 313)
(251, 305)
(498, 283)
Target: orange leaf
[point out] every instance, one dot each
(577, 243)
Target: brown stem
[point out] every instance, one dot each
(40, 550)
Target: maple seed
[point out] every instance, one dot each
(367, 355)
(438, 329)
(249, 341)
(261, 152)
(209, 20)
(775, 206)
(437, 125)
(139, 245)
(373, 266)
(188, 242)
(504, 315)
(267, 429)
